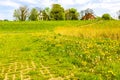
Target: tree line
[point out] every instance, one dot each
(57, 12)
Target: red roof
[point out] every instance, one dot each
(88, 16)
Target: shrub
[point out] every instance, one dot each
(106, 16)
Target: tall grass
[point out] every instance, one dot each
(90, 32)
(101, 29)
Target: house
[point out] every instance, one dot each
(88, 16)
(41, 16)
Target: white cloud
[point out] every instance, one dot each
(29, 1)
(81, 1)
(9, 3)
(45, 3)
(66, 2)
(1, 16)
(113, 8)
(72, 2)
(7, 14)
(111, 1)
(110, 6)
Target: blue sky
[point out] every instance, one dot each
(99, 6)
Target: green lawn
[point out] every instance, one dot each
(60, 50)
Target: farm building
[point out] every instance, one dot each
(88, 16)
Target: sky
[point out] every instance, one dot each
(99, 7)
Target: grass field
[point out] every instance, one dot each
(60, 50)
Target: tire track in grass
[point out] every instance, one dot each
(16, 70)
(14, 76)
(20, 70)
(45, 71)
(6, 76)
(33, 64)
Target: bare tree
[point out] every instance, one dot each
(21, 14)
(17, 14)
(88, 10)
(82, 13)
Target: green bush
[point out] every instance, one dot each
(106, 16)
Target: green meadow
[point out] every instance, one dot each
(60, 50)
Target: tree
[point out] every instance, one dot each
(6, 20)
(82, 13)
(67, 14)
(106, 16)
(57, 12)
(17, 14)
(118, 13)
(33, 15)
(88, 10)
(71, 14)
(21, 14)
(46, 13)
